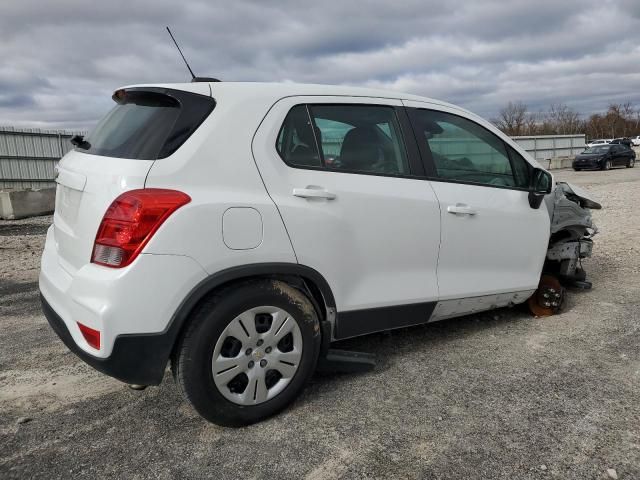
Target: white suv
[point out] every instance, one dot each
(236, 229)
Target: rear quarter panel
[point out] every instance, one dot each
(216, 168)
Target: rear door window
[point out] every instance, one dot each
(352, 138)
(360, 138)
(148, 124)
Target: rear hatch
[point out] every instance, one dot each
(147, 124)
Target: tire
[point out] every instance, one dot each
(212, 330)
(576, 169)
(606, 165)
(631, 163)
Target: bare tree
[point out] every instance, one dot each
(615, 119)
(563, 119)
(620, 119)
(627, 113)
(512, 118)
(532, 123)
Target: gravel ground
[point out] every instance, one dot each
(497, 395)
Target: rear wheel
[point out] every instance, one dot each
(248, 352)
(631, 163)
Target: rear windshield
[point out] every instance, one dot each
(148, 124)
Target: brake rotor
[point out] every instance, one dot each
(548, 298)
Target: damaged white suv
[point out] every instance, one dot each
(235, 230)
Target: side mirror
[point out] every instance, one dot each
(539, 187)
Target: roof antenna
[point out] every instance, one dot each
(193, 77)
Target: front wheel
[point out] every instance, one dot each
(248, 352)
(607, 165)
(631, 163)
(576, 169)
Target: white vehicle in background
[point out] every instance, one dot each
(601, 141)
(636, 141)
(201, 225)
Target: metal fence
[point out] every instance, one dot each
(543, 147)
(28, 156)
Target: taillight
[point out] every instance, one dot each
(90, 335)
(129, 223)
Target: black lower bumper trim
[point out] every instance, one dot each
(139, 359)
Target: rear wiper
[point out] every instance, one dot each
(80, 142)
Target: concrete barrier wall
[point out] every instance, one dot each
(17, 204)
(556, 163)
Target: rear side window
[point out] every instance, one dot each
(148, 124)
(464, 151)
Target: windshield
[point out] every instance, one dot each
(147, 125)
(598, 149)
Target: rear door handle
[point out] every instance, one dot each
(461, 209)
(313, 193)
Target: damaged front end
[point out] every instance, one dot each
(572, 232)
(571, 240)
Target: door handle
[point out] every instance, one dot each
(461, 209)
(313, 193)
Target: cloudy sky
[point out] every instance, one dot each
(62, 59)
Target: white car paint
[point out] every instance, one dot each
(374, 229)
(499, 245)
(378, 241)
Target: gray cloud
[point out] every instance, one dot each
(61, 61)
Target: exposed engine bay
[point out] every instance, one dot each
(571, 240)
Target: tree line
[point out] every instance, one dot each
(620, 120)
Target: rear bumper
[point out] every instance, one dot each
(131, 307)
(139, 359)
